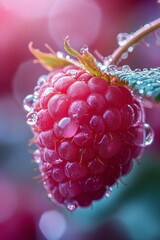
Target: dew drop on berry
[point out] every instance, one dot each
(36, 90)
(66, 127)
(41, 80)
(71, 206)
(108, 192)
(149, 134)
(145, 135)
(28, 102)
(36, 156)
(31, 118)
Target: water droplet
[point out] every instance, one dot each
(137, 70)
(73, 73)
(126, 68)
(108, 192)
(124, 55)
(36, 156)
(71, 207)
(41, 80)
(66, 127)
(139, 82)
(31, 118)
(122, 38)
(107, 60)
(49, 195)
(60, 54)
(130, 49)
(68, 57)
(141, 91)
(147, 25)
(111, 68)
(28, 102)
(84, 49)
(149, 134)
(36, 91)
(145, 135)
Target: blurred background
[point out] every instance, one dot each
(132, 212)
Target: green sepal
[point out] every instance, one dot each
(50, 60)
(145, 82)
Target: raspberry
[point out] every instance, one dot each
(88, 132)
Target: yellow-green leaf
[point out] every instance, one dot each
(49, 60)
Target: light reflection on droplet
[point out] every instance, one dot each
(141, 91)
(107, 60)
(124, 55)
(52, 224)
(145, 135)
(126, 68)
(84, 49)
(49, 195)
(149, 134)
(111, 68)
(108, 192)
(28, 102)
(36, 90)
(66, 127)
(41, 80)
(31, 118)
(36, 156)
(60, 54)
(71, 207)
(122, 38)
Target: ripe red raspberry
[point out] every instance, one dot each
(88, 133)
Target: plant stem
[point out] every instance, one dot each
(136, 37)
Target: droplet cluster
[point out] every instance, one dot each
(88, 133)
(145, 82)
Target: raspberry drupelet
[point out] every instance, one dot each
(88, 133)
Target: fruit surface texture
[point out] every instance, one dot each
(88, 134)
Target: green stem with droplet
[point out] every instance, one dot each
(136, 37)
